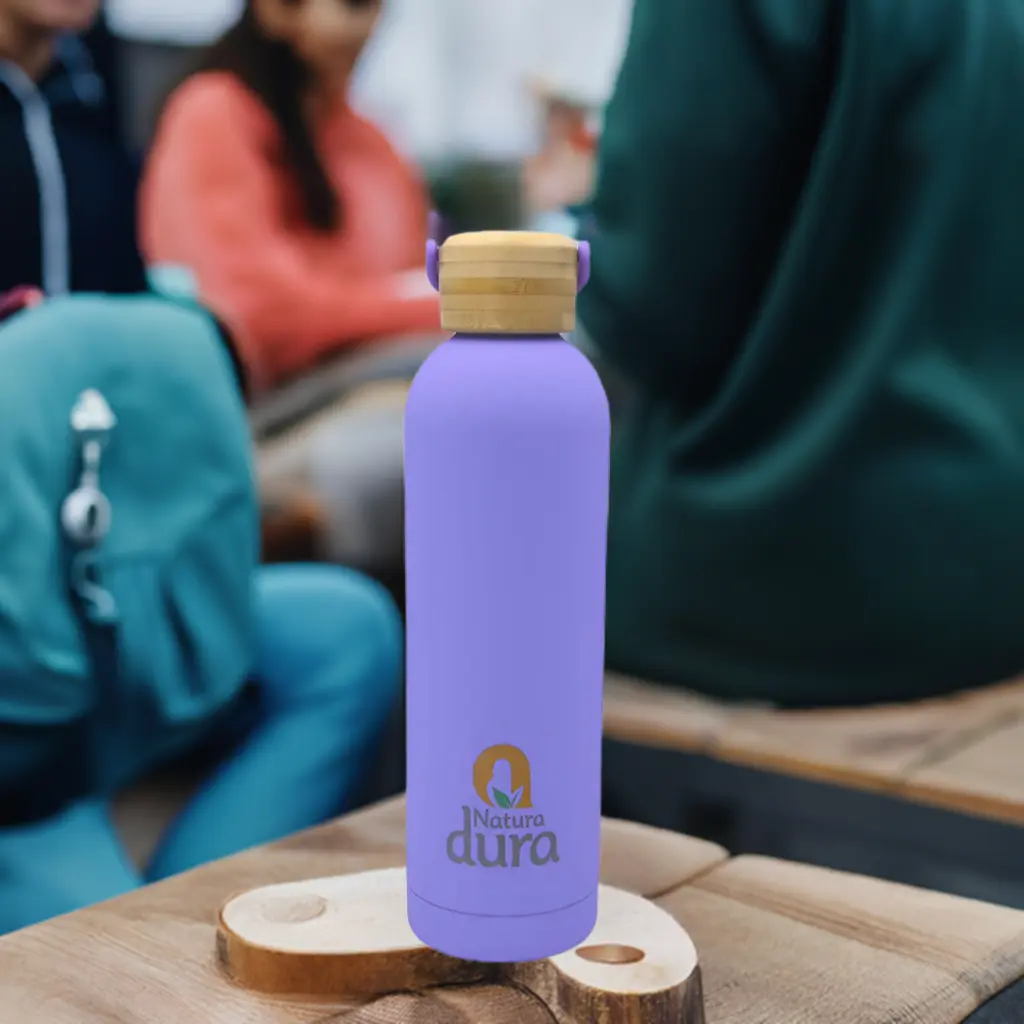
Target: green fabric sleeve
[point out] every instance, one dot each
(704, 150)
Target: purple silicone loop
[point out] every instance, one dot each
(435, 236)
(433, 270)
(582, 266)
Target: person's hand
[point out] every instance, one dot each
(414, 284)
(559, 177)
(20, 298)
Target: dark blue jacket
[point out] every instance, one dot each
(67, 186)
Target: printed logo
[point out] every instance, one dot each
(501, 777)
(499, 834)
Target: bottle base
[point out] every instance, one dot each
(494, 939)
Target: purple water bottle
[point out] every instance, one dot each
(506, 481)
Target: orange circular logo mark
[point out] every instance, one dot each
(501, 777)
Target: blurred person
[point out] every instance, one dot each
(67, 186)
(104, 51)
(299, 223)
(807, 258)
(146, 635)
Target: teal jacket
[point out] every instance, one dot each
(808, 257)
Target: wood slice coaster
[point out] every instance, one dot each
(349, 938)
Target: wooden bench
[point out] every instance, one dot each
(778, 942)
(911, 749)
(960, 755)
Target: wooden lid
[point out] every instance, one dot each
(508, 282)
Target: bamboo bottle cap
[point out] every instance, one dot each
(508, 282)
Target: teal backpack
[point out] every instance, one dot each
(129, 529)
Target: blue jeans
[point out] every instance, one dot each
(327, 674)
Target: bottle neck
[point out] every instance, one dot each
(466, 336)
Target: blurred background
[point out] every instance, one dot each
(282, 162)
(484, 111)
(470, 90)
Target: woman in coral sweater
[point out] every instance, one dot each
(297, 221)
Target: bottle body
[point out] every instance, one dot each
(506, 466)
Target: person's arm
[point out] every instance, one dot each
(210, 201)
(704, 151)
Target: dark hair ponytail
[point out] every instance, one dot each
(271, 71)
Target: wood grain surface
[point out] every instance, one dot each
(508, 282)
(984, 777)
(348, 936)
(779, 943)
(958, 753)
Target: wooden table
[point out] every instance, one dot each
(779, 943)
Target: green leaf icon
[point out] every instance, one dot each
(501, 799)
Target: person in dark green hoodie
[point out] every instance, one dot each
(808, 260)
